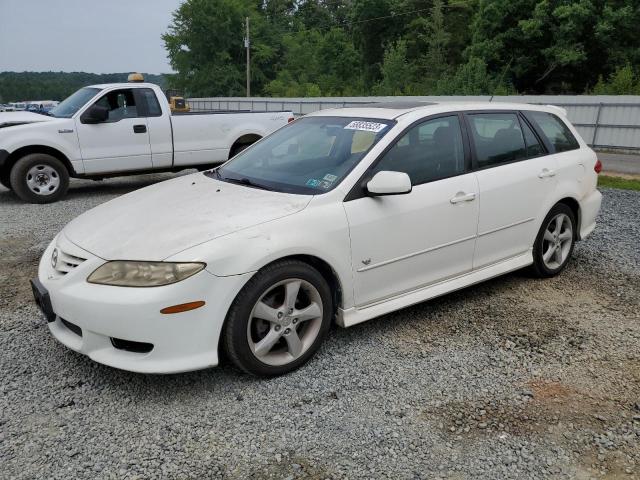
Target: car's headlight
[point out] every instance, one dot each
(143, 274)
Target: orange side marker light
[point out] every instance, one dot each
(183, 307)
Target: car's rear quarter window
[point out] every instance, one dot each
(555, 130)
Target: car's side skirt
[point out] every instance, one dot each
(355, 315)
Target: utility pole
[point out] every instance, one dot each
(247, 44)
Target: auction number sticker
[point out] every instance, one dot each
(366, 126)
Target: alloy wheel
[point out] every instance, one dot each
(285, 322)
(557, 241)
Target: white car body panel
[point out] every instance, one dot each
(178, 214)
(402, 237)
(386, 253)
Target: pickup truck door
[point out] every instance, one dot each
(121, 142)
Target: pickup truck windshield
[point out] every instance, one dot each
(70, 105)
(309, 156)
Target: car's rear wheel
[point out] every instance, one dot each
(555, 241)
(39, 178)
(279, 319)
(4, 179)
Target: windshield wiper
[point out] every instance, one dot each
(243, 181)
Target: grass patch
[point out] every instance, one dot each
(619, 182)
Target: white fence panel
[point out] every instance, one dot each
(604, 121)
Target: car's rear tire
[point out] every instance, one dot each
(555, 242)
(4, 178)
(236, 149)
(39, 178)
(278, 320)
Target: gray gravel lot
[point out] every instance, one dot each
(511, 378)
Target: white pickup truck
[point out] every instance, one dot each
(118, 129)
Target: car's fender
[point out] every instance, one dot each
(57, 134)
(251, 249)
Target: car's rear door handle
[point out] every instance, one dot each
(463, 197)
(139, 129)
(546, 173)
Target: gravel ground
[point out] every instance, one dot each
(511, 378)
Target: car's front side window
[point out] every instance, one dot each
(430, 151)
(120, 104)
(309, 156)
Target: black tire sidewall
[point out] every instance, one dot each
(5, 180)
(539, 267)
(234, 335)
(19, 182)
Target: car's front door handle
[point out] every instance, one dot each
(546, 173)
(139, 129)
(463, 197)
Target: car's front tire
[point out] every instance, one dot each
(39, 178)
(555, 242)
(279, 319)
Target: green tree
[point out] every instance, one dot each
(397, 73)
(621, 82)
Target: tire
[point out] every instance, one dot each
(236, 149)
(260, 331)
(4, 179)
(555, 242)
(39, 178)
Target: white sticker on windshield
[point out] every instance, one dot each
(366, 126)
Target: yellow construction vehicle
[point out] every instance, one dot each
(177, 103)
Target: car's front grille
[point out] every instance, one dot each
(65, 262)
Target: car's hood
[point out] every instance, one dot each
(9, 119)
(166, 218)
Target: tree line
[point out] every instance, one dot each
(20, 86)
(406, 47)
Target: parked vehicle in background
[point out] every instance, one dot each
(41, 106)
(345, 214)
(118, 129)
(18, 106)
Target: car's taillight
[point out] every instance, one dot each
(291, 119)
(598, 166)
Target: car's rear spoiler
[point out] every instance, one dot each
(560, 110)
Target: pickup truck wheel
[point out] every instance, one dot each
(236, 149)
(39, 178)
(278, 320)
(4, 179)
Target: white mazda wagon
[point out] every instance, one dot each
(343, 215)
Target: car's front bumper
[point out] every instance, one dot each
(109, 317)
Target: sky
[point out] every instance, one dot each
(98, 36)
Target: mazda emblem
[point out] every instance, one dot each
(54, 258)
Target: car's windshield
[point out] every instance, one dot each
(311, 155)
(70, 105)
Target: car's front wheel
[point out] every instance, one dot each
(39, 178)
(555, 241)
(279, 319)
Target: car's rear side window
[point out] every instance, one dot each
(556, 131)
(497, 138)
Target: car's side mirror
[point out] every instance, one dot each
(95, 114)
(389, 183)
